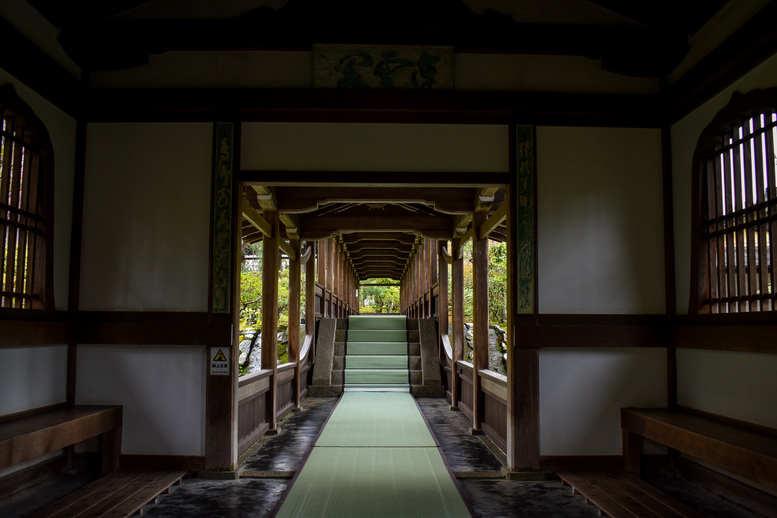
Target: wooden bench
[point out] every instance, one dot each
(745, 452)
(116, 495)
(619, 493)
(27, 436)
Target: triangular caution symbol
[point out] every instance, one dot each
(220, 357)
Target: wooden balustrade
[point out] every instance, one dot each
(492, 394)
(253, 394)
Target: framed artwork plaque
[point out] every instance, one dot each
(382, 67)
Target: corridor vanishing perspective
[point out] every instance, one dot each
(320, 257)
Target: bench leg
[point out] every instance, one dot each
(632, 452)
(111, 450)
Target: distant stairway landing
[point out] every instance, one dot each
(376, 354)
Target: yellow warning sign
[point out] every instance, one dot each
(219, 363)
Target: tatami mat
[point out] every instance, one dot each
(374, 482)
(377, 322)
(375, 458)
(373, 348)
(376, 419)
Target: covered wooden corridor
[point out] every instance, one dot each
(344, 234)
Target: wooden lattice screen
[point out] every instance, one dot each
(21, 222)
(739, 218)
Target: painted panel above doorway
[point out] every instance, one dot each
(382, 67)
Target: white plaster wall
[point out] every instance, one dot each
(685, 135)
(375, 147)
(600, 221)
(582, 392)
(147, 217)
(736, 384)
(32, 377)
(62, 131)
(162, 390)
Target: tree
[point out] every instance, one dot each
(379, 299)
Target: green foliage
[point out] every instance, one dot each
(251, 296)
(379, 299)
(497, 283)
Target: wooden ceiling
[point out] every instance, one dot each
(379, 225)
(638, 37)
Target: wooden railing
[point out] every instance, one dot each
(254, 392)
(492, 394)
(426, 306)
(329, 305)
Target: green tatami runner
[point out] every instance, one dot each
(375, 458)
(387, 419)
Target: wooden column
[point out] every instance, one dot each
(523, 402)
(330, 275)
(457, 274)
(321, 278)
(442, 303)
(523, 415)
(480, 318)
(295, 278)
(270, 313)
(310, 299)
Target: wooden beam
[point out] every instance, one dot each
(433, 227)
(469, 235)
(307, 254)
(493, 221)
(484, 199)
(461, 223)
(291, 224)
(266, 198)
(287, 248)
(304, 199)
(446, 256)
(252, 216)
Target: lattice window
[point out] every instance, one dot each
(24, 148)
(738, 217)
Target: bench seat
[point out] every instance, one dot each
(619, 493)
(742, 451)
(27, 437)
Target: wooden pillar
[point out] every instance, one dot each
(442, 303)
(480, 318)
(523, 402)
(523, 414)
(457, 274)
(310, 300)
(330, 275)
(426, 288)
(270, 313)
(340, 280)
(295, 278)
